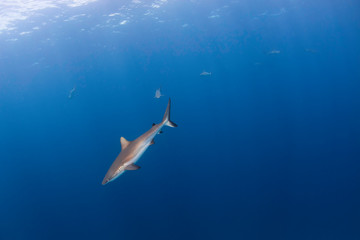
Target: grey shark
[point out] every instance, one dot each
(204, 73)
(158, 93)
(131, 151)
(72, 92)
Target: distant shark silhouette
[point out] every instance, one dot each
(158, 93)
(275, 51)
(131, 151)
(72, 92)
(205, 73)
(309, 50)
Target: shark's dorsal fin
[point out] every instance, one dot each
(124, 143)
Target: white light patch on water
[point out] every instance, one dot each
(155, 5)
(214, 16)
(12, 40)
(24, 33)
(78, 3)
(12, 11)
(124, 22)
(75, 17)
(114, 14)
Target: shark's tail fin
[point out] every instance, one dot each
(166, 120)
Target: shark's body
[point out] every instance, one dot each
(131, 151)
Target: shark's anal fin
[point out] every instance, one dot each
(152, 142)
(132, 167)
(160, 132)
(124, 143)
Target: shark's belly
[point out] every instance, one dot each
(139, 153)
(120, 169)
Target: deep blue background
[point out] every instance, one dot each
(267, 147)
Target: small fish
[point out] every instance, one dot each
(71, 92)
(282, 11)
(131, 151)
(158, 93)
(309, 50)
(204, 73)
(274, 51)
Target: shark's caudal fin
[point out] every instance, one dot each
(166, 120)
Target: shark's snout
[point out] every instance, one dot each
(105, 181)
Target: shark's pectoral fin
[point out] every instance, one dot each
(132, 167)
(152, 142)
(124, 143)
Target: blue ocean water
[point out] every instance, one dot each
(268, 145)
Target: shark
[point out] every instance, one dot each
(204, 73)
(72, 92)
(275, 51)
(158, 93)
(131, 151)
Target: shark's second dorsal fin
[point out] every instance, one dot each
(124, 143)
